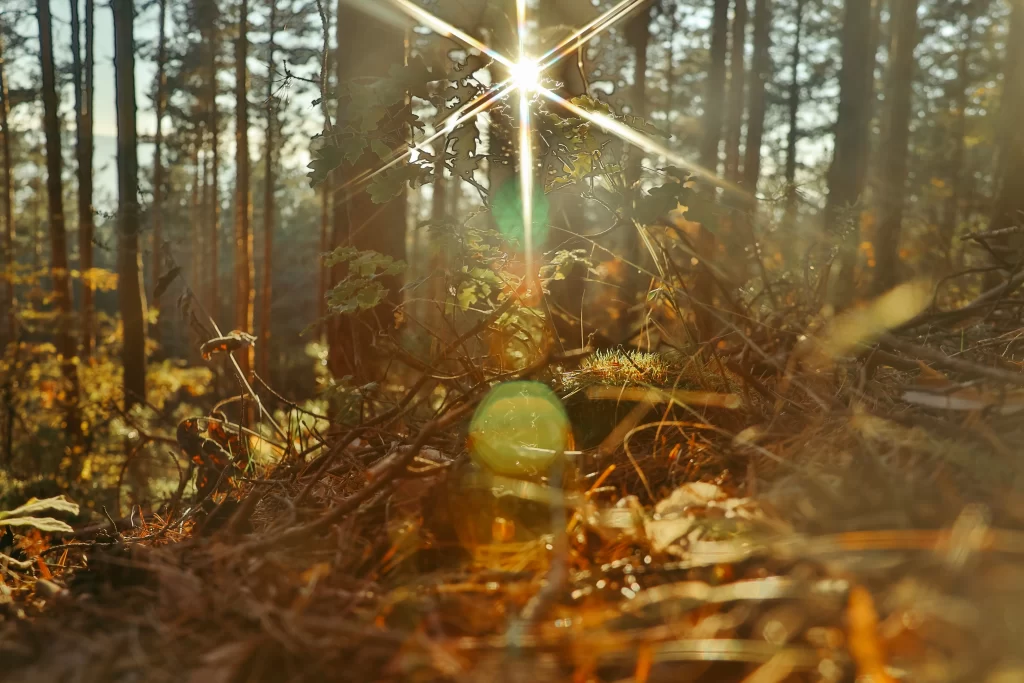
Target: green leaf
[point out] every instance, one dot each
(34, 507)
(660, 201)
(325, 159)
(351, 148)
(382, 151)
(465, 161)
(46, 524)
(340, 255)
(371, 295)
(387, 185)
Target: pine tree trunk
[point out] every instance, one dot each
(85, 189)
(197, 214)
(955, 174)
(158, 162)
(131, 300)
(8, 318)
(66, 346)
(269, 209)
(83, 153)
(793, 106)
(761, 73)
(737, 87)
(638, 35)
(7, 197)
(323, 282)
(670, 72)
(213, 182)
(244, 290)
(848, 172)
(894, 172)
(714, 94)
(366, 47)
(1009, 200)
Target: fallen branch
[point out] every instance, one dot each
(957, 365)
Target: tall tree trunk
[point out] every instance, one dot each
(244, 291)
(7, 197)
(66, 347)
(757, 103)
(268, 208)
(670, 68)
(323, 282)
(955, 174)
(737, 87)
(894, 172)
(204, 263)
(131, 300)
(793, 106)
(638, 35)
(848, 172)
(85, 189)
(158, 162)
(213, 181)
(1009, 200)
(714, 93)
(366, 47)
(83, 153)
(197, 212)
(8, 318)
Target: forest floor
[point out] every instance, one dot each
(860, 518)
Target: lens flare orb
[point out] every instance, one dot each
(520, 429)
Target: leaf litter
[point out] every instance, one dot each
(856, 515)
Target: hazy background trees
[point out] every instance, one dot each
(866, 139)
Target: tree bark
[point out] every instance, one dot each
(714, 95)
(366, 47)
(213, 181)
(323, 282)
(955, 174)
(848, 172)
(894, 171)
(197, 213)
(131, 300)
(158, 163)
(1009, 200)
(670, 70)
(244, 290)
(761, 72)
(83, 153)
(7, 197)
(269, 209)
(66, 346)
(737, 87)
(638, 35)
(793, 105)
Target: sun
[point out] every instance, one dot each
(525, 75)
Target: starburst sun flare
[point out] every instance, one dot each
(525, 77)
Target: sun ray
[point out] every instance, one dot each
(638, 139)
(471, 109)
(587, 33)
(525, 142)
(443, 28)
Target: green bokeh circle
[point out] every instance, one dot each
(507, 209)
(519, 430)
